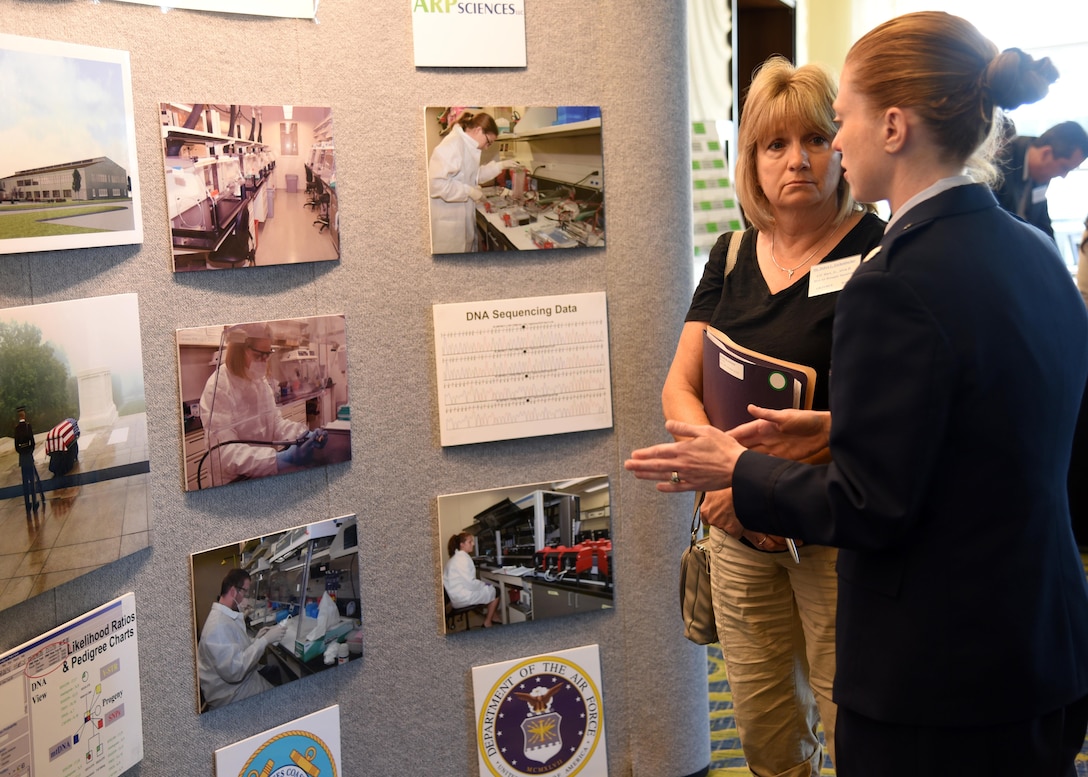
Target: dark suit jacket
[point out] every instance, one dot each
(957, 370)
(1014, 194)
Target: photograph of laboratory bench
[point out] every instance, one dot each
(545, 548)
(263, 398)
(535, 182)
(296, 593)
(248, 186)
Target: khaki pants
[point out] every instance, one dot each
(776, 624)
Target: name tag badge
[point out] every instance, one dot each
(827, 277)
(1038, 194)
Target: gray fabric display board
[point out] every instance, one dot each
(406, 707)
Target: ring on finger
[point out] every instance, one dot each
(675, 477)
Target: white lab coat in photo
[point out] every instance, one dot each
(459, 579)
(243, 410)
(227, 658)
(454, 169)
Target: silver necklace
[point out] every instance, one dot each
(791, 270)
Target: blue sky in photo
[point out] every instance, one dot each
(59, 109)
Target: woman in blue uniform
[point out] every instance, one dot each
(959, 359)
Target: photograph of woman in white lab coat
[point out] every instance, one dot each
(456, 175)
(459, 579)
(514, 178)
(527, 552)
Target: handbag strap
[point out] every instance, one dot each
(696, 522)
(734, 248)
(730, 262)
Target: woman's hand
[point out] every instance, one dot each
(788, 434)
(703, 460)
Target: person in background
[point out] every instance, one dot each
(238, 404)
(227, 657)
(957, 382)
(455, 176)
(459, 578)
(23, 437)
(1078, 463)
(775, 618)
(1082, 264)
(1028, 165)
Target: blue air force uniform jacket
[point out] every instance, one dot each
(957, 372)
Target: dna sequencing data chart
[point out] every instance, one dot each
(522, 367)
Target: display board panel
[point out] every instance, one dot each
(522, 367)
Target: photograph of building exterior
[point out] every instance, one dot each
(84, 180)
(68, 173)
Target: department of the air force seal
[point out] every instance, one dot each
(541, 717)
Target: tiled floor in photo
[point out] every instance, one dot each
(92, 515)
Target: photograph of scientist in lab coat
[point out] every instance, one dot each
(228, 658)
(263, 399)
(276, 608)
(523, 553)
(514, 178)
(456, 174)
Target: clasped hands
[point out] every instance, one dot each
(703, 458)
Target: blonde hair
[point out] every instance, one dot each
(239, 338)
(782, 95)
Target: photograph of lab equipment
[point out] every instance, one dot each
(68, 174)
(514, 178)
(546, 548)
(263, 398)
(249, 185)
(294, 613)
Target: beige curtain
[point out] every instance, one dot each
(710, 92)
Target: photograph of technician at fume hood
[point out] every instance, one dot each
(249, 185)
(272, 609)
(263, 398)
(514, 178)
